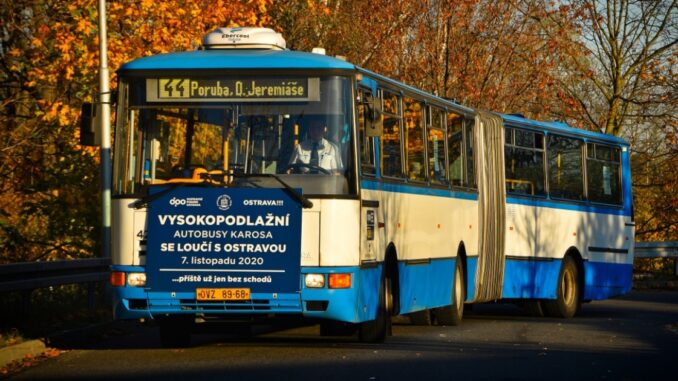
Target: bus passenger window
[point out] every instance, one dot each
(524, 162)
(437, 166)
(413, 117)
(455, 142)
(468, 143)
(603, 170)
(391, 165)
(566, 178)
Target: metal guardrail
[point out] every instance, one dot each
(667, 249)
(34, 275)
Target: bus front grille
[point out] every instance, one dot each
(239, 305)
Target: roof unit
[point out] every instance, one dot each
(244, 38)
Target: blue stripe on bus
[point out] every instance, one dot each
(542, 203)
(530, 279)
(538, 279)
(471, 266)
(424, 286)
(416, 189)
(566, 205)
(605, 280)
(237, 59)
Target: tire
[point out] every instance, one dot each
(568, 293)
(175, 331)
(375, 331)
(454, 313)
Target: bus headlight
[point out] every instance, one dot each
(136, 279)
(314, 280)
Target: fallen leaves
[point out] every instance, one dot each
(28, 361)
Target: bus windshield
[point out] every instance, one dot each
(171, 132)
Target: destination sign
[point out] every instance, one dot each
(269, 89)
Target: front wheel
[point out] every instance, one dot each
(454, 313)
(568, 301)
(375, 331)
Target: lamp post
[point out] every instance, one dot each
(105, 115)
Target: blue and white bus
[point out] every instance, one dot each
(413, 204)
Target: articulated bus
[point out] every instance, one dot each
(412, 204)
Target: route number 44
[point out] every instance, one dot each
(173, 88)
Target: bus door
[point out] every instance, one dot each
(368, 115)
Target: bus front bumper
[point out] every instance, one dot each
(353, 304)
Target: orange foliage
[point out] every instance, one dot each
(50, 59)
(500, 55)
(67, 52)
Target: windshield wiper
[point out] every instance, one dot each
(300, 198)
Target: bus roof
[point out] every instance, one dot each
(264, 59)
(560, 127)
(371, 76)
(237, 59)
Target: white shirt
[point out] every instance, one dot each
(329, 157)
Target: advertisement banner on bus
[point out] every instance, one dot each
(230, 240)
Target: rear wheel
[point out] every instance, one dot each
(567, 302)
(454, 313)
(375, 331)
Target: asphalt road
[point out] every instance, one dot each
(631, 338)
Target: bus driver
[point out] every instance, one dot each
(316, 154)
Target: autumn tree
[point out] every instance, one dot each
(498, 55)
(626, 83)
(49, 59)
(365, 32)
(628, 72)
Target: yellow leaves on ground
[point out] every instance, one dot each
(28, 361)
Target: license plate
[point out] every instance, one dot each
(222, 294)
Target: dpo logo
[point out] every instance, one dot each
(177, 201)
(188, 201)
(224, 202)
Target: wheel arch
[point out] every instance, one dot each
(461, 256)
(391, 271)
(575, 254)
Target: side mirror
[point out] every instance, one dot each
(375, 116)
(89, 125)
